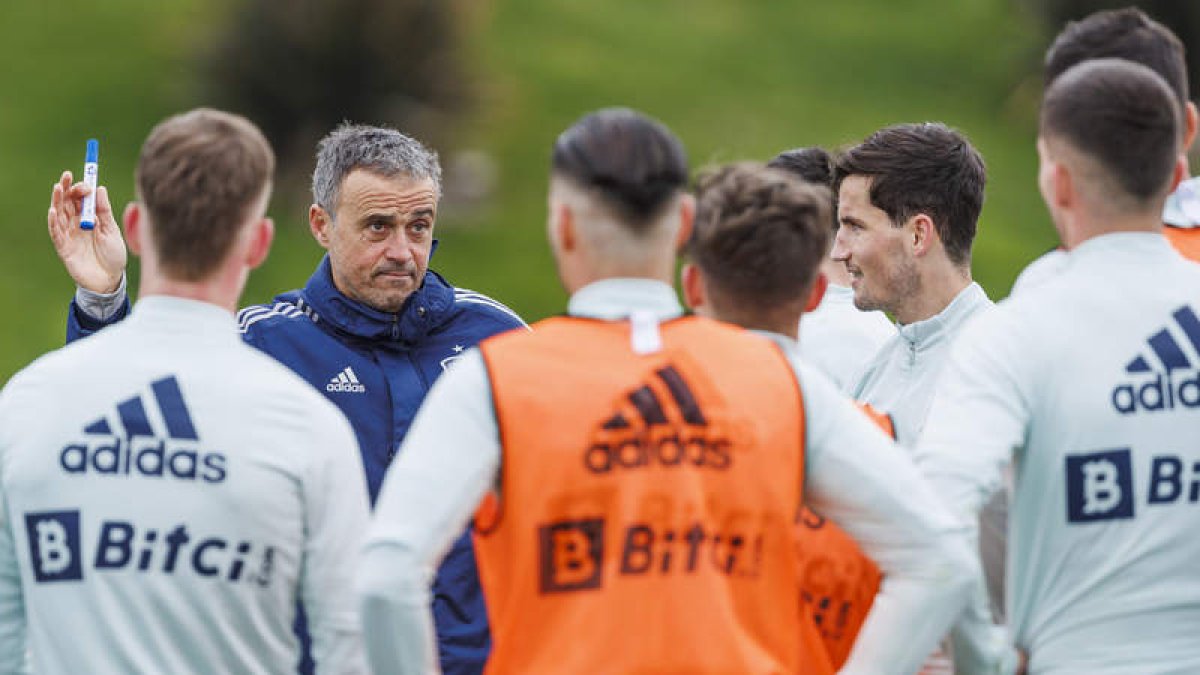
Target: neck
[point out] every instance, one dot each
(222, 289)
(582, 276)
(939, 287)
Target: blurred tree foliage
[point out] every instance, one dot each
(1181, 16)
(299, 67)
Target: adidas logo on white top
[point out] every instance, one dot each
(346, 381)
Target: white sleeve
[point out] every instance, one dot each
(449, 460)
(12, 603)
(336, 513)
(858, 478)
(977, 421)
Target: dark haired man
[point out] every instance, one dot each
(837, 337)
(642, 469)
(1089, 385)
(1131, 35)
(373, 328)
(909, 197)
(168, 491)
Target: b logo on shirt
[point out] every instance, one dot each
(1099, 486)
(54, 545)
(571, 555)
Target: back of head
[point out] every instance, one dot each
(812, 165)
(922, 168)
(1120, 115)
(627, 161)
(759, 238)
(380, 150)
(201, 175)
(1124, 34)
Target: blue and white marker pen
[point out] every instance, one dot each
(91, 170)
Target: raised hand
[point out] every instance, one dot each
(94, 258)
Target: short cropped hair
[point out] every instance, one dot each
(760, 234)
(1124, 34)
(922, 168)
(632, 163)
(380, 150)
(1120, 114)
(200, 174)
(813, 165)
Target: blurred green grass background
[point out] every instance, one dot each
(735, 80)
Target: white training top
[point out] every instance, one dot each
(839, 338)
(1181, 210)
(1090, 384)
(855, 476)
(168, 495)
(902, 377)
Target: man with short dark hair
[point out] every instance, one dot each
(909, 198)
(641, 470)
(837, 337)
(1087, 385)
(1132, 35)
(168, 491)
(373, 328)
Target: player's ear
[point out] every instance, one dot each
(687, 217)
(820, 285)
(1062, 183)
(1190, 121)
(694, 294)
(319, 223)
(262, 234)
(132, 219)
(565, 229)
(923, 234)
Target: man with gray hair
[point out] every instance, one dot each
(372, 329)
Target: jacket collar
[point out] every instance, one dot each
(426, 309)
(969, 300)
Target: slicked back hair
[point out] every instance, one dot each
(924, 168)
(1120, 114)
(760, 235)
(812, 165)
(380, 150)
(199, 175)
(630, 162)
(1124, 34)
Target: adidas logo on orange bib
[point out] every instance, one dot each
(1177, 384)
(642, 432)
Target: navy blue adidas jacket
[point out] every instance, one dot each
(377, 368)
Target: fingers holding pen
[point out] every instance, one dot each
(104, 210)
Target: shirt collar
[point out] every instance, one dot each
(790, 347)
(835, 294)
(1183, 205)
(616, 299)
(1122, 244)
(174, 314)
(967, 302)
(426, 309)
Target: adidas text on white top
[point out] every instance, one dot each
(168, 495)
(1090, 383)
